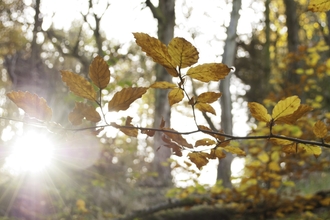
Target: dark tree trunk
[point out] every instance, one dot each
(224, 172)
(165, 15)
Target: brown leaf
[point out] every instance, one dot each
(182, 52)
(81, 111)
(204, 107)
(217, 153)
(79, 85)
(132, 132)
(209, 72)
(209, 97)
(175, 96)
(176, 137)
(33, 105)
(234, 150)
(198, 158)
(124, 98)
(204, 142)
(320, 129)
(99, 72)
(177, 150)
(204, 128)
(155, 49)
(163, 85)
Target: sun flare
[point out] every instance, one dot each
(32, 152)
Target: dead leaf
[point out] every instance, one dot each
(33, 105)
(198, 158)
(205, 107)
(182, 52)
(175, 96)
(82, 111)
(124, 98)
(204, 142)
(163, 85)
(99, 72)
(209, 72)
(79, 85)
(155, 49)
(259, 112)
(320, 129)
(209, 97)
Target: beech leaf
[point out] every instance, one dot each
(285, 107)
(182, 52)
(292, 118)
(155, 49)
(209, 72)
(209, 97)
(82, 111)
(205, 107)
(259, 112)
(234, 150)
(198, 158)
(204, 142)
(320, 129)
(124, 98)
(99, 72)
(78, 85)
(175, 96)
(33, 105)
(176, 137)
(163, 85)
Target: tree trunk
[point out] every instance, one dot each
(165, 15)
(229, 54)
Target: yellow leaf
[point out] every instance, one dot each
(312, 149)
(274, 166)
(198, 158)
(124, 98)
(209, 97)
(33, 105)
(79, 85)
(279, 141)
(285, 107)
(234, 150)
(325, 201)
(263, 157)
(155, 49)
(175, 96)
(292, 118)
(163, 85)
(204, 107)
(99, 72)
(259, 112)
(289, 183)
(319, 5)
(182, 52)
(290, 149)
(320, 129)
(209, 72)
(81, 111)
(204, 142)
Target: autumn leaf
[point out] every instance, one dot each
(217, 153)
(290, 149)
(175, 96)
(320, 129)
(81, 111)
(280, 142)
(234, 150)
(209, 97)
(259, 112)
(124, 98)
(285, 107)
(205, 107)
(163, 85)
(79, 85)
(312, 149)
(182, 52)
(158, 51)
(319, 5)
(33, 105)
(99, 72)
(292, 118)
(177, 150)
(274, 166)
(198, 158)
(176, 137)
(129, 131)
(209, 72)
(263, 157)
(204, 142)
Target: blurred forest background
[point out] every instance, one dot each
(278, 49)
